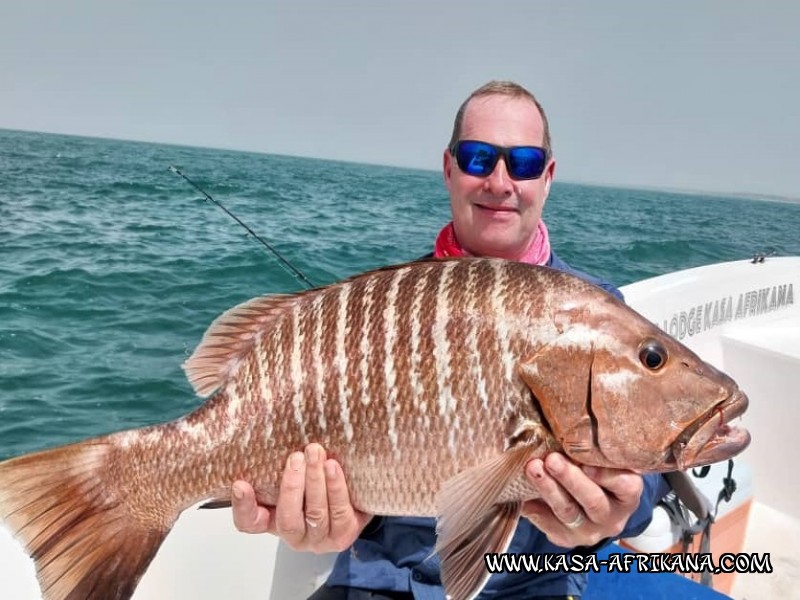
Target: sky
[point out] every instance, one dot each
(689, 95)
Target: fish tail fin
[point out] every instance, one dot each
(83, 538)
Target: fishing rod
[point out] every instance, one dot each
(289, 266)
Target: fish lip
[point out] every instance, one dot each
(712, 438)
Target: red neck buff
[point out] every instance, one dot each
(538, 253)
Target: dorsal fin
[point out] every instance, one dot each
(230, 337)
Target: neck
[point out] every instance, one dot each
(537, 251)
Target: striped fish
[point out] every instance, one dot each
(433, 383)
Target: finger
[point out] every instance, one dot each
(565, 508)
(248, 516)
(289, 518)
(625, 486)
(542, 516)
(316, 495)
(590, 497)
(538, 512)
(345, 522)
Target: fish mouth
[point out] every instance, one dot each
(712, 438)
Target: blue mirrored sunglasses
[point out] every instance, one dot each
(480, 158)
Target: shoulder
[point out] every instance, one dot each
(560, 265)
(557, 263)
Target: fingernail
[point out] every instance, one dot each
(238, 492)
(555, 464)
(296, 460)
(312, 454)
(535, 469)
(330, 470)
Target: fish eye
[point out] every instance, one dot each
(653, 355)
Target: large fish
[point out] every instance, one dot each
(433, 383)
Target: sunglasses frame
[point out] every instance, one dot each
(505, 152)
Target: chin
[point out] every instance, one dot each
(494, 246)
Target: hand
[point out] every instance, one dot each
(329, 523)
(580, 506)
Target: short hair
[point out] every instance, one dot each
(501, 88)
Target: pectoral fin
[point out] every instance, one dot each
(472, 523)
(463, 569)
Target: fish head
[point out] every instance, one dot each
(617, 391)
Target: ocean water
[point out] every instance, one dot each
(111, 267)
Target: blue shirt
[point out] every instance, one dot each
(396, 553)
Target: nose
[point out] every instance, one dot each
(498, 183)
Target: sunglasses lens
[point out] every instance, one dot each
(479, 159)
(476, 158)
(526, 162)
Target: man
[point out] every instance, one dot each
(498, 169)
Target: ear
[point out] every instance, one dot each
(447, 167)
(560, 376)
(548, 175)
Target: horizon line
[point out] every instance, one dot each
(749, 195)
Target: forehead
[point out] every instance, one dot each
(503, 120)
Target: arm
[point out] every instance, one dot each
(584, 506)
(329, 523)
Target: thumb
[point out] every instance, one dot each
(536, 511)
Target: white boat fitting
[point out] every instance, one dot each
(742, 316)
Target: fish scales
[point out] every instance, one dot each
(298, 374)
(258, 359)
(475, 338)
(410, 421)
(390, 334)
(458, 332)
(301, 375)
(379, 448)
(441, 349)
(326, 363)
(377, 443)
(432, 383)
(372, 416)
(356, 350)
(357, 368)
(425, 373)
(311, 360)
(306, 372)
(348, 302)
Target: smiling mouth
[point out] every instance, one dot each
(502, 209)
(712, 438)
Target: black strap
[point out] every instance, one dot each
(675, 505)
(728, 487)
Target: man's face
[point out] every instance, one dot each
(497, 215)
